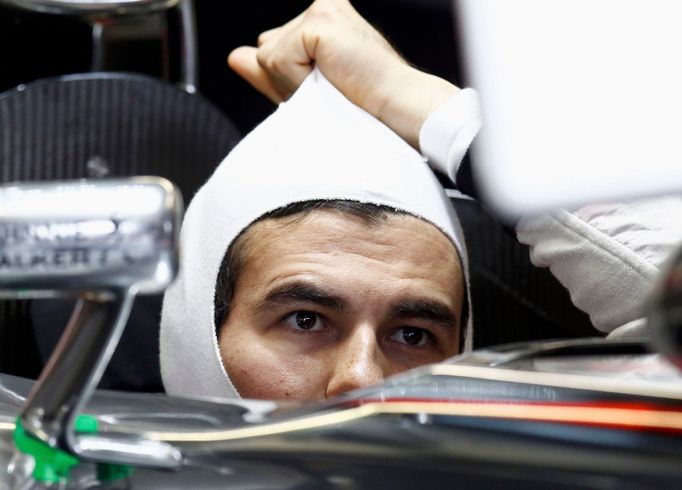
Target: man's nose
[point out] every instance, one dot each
(357, 363)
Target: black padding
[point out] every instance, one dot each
(92, 125)
(512, 299)
(18, 348)
(135, 125)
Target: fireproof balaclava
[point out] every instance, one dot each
(318, 145)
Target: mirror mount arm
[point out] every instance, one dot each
(75, 367)
(71, 376)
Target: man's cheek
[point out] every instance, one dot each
(287, 344)
(266, 373)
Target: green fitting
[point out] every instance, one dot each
(51, 464)
(86, 424)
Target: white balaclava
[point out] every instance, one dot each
(318, 145)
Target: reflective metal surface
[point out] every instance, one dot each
(103, 242)
(81, 235)
(100, 7)
(190, 51)
(464, 422)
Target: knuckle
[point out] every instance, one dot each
(262, 38)
(323, 10)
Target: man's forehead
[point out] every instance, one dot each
(334, 246)
(337, 221)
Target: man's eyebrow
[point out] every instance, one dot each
(427, 309)
(304, 292)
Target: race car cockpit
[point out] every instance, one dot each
(541, 401)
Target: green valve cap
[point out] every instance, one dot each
(51, 464)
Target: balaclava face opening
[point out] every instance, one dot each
(316, 146)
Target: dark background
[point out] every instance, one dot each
(35, 45)
(512, 301)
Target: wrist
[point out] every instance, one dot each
(407, 101)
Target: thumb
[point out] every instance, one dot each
(244, 62)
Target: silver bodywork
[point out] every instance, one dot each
(414, 430)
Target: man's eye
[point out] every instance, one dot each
(304, 320)
(411, 336)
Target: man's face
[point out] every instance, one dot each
(326, 303)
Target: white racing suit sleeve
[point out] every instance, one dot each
(607, 256)
(447, 133)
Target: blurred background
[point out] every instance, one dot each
(37, 45)
(512, 301)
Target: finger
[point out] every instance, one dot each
(243, 61)
(287, 67)
(270, 34)
(288, 57)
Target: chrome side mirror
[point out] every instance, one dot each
(102, 242)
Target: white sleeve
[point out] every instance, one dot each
(447, 133)
(607, 256)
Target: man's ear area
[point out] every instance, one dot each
(233, 264)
